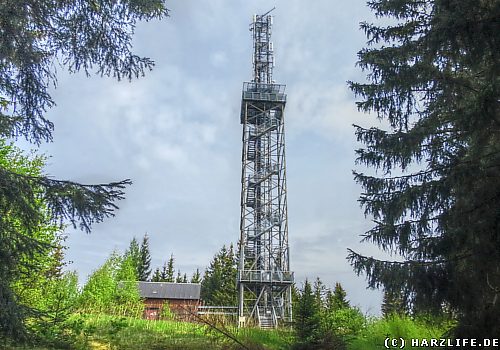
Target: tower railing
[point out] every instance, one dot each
(264, 92)
(266, 276)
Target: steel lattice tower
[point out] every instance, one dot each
(264, 276)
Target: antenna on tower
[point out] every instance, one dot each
(261, 28)
(265, 14)
(268, 12)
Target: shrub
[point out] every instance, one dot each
(344, 322)
(372, 336)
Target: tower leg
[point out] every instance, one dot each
(241, 316)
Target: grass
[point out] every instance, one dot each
(104, 332)
(377, 330)
(269, 339)
(112, 332)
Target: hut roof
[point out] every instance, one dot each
(168, 290)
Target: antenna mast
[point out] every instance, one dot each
(263, 58)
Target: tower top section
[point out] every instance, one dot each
(263, 55)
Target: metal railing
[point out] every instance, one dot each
(263, 87)
(275, 318)
(264, 92)
(218, 310)
(265, 276)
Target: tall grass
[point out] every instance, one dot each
(101, 331)
(121, 332)
(377, 330)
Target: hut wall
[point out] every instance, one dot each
(181, 308)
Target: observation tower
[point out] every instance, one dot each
(264, 276)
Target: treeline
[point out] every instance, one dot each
(141, 259)
(325, 319)
(218, 283)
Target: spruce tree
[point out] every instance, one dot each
(144, 265)
(196, 278)
(337, 299)
(307, 319)
(392, 304)
(133, 251)
(295, 296)
(156, 276)
(219, 281)
(178, 279)
(433, 77)
(170, 270)
(38, 38)
(164, 274)
(56, 267)
(319, 290)
(167, 271)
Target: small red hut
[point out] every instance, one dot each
(182, 298)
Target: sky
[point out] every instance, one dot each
(176, 134)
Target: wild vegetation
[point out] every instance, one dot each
(324, 319)
(36, 35)
(104, 315)
(433, 193)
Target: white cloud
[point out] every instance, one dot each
(218, 59)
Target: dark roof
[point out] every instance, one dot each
(167, 290)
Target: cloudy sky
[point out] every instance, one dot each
(176, 134)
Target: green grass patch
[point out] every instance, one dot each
(114, 332)
(375, 332)
(278, 339)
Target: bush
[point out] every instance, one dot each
(372, 336)
(112, 289)
(345, 322)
